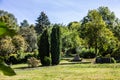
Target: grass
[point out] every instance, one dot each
(66, 71)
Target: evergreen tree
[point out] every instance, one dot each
(42, 22)
(43, 45)
(30, 37)
(55, 45)
(24, 23)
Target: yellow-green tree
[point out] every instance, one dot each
(93, 28)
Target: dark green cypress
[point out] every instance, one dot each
(43, 45)
(55, 45)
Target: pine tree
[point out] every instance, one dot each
(42, 23)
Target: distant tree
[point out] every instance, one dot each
(42, 23)
(9, 19)
(74, 25)
(91, 30)
(55, 44)
(6, 46)
(24, 23)
(107, 42)
(43, 48)
(108, 16)
(116, 29)
(30, 37)
(19, 43)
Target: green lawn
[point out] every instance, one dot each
(66, 71)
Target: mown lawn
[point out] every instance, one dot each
(66, 71)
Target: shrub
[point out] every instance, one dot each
(47, 61)
(105, 60)
(87, 53)
(113, 60)
(108, 55)
(33, 62)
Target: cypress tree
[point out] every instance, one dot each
(55, 45)
(43, 45)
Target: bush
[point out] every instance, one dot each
(113, 60)
(87, 53)
(33, 62)
(20, 57)
(47, 61)
(105, 60)
(12, 59)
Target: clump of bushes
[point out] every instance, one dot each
(105, 59)
(20, 57)
(33, 62)
(87, 53)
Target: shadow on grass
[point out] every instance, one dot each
(26, 67)
(73, 62)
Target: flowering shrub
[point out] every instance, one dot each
(33, 62)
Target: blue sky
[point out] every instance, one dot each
(58, 11)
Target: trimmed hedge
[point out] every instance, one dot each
(105, 60)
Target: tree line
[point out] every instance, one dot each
(97, 34)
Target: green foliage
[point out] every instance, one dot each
(47, 61)
(30, 37)
(33, 62)
(24, 23)
(6, 31)
(6, 46)
(96, 33)
(42, 23)
(7, 70)
(19, 43)
(55, 44)
(87, 53)
(20, 57)
(9, 19)
(12, 45)
(43, 45)
(3, 67)
(70, 37)
(113, 60)
(108, 16)
(74, 26)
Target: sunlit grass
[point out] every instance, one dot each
(66, 71)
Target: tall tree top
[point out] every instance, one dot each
(107, 15)
(9, 19)
(42, 22)
(24, 23)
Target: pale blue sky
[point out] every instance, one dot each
(58, 11)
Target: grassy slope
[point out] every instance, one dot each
(67, 72)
